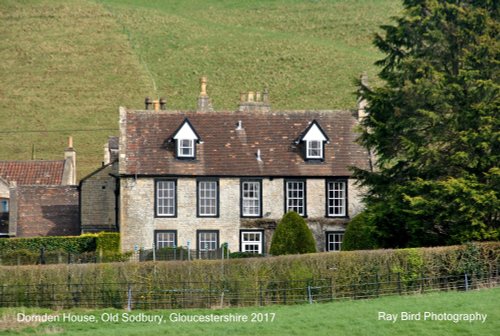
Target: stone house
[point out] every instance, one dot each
(202, 178)
(39, 198)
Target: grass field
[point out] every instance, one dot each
(337, 318)
(67, 65)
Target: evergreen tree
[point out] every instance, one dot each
(434, 126)
(292, 236)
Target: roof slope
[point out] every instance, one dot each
(33, 172)
(225, 151)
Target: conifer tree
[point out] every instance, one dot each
(434, 126)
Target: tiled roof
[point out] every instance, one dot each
(226, 151)
(32, 172)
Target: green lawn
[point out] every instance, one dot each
(338, 318)
(68, 65)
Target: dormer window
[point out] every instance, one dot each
(314, 149)
(313, 140)
(186, 139)
(186, 148)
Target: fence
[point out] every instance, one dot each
(173, 295)
(61, 257)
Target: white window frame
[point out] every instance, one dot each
(245, 234)
(208, 192)
(290, 198)
(208, 237)
(181, 146)
(309, 149)
(251, 199)
(336, 198)
(334, 241)
(165, 239)
(166, 198)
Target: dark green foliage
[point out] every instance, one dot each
(108, 241)
(83, 243)
(435, 126)
(360, 234)
(292, 236)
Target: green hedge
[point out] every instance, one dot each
(80, 244)
(105, 241)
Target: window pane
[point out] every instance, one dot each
(165, 198)
(165, 239)
(295, 197)
(207, 241)
(251, 198)
(251, 242)
(186, 147)
(314, 149)
(207, 202)
(337, 198)
(334, 241)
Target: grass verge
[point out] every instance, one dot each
(359, 317)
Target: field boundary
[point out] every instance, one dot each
(220, 294)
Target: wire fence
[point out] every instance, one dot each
(43, 257)
(159, 294)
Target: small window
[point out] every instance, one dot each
(295, 197)
(208, 199)
(334, 241)
(314, 149)
(165, 239)
(337, 199)
(251, 241)
(208, 240)
(166, 198)
(251, 198)
(186, 148)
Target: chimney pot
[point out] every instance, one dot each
(203, 82)
(251, 96)
(265, 95)
(258, 96)
(243, 97)
(147, 103)
(163, 103)
(70, 142)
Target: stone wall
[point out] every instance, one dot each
(98, 200)
(44, 211)
(138, 221)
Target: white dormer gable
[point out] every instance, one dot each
(185, 139)
(186, 131)
(314, 133)
(314, 139)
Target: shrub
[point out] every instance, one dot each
(359, 234)
(292, 236)
(79, 244)
(108, 241)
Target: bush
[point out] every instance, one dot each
(292, 236)
(80, 244)
(108, 242)
(359, 234)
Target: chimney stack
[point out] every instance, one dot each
(158, 104)
(204, 104)
(362, 103)
(69, 173)
(255, 101)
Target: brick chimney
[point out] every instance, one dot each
(254, 101)
(69, 173)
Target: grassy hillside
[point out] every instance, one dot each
(68, 65)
